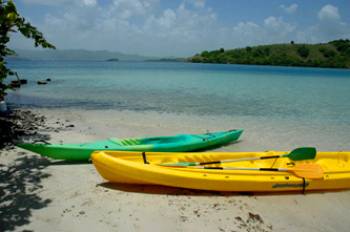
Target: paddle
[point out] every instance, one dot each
(309, 171)
(302, 153)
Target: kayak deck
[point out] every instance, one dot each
(183, 142)
(129, 167)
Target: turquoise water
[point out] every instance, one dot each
(274, 92)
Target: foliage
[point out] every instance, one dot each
(335, 54)
(303, 51)
(327, 52)
(10, 22)
(342, 45)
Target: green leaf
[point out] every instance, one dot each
(12, 22)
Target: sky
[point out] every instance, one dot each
(177, 28)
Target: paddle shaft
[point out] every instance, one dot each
(310, 171)
(249, 169)
(241, 159)
(297, 154)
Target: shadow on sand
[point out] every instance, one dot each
(157, 189)
(19, 186)
(69, 162)
(21, 176)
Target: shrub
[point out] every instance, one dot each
(303, 51)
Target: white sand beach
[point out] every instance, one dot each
(48, 195)
(74, 72)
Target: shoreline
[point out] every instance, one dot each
(260, 133)
(69, 197)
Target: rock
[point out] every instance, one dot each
(23, 81)
(15, 84)
(18, 125)
(255, 217)
(41, 82)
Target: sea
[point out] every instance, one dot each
(287, 98)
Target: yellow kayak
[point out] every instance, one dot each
(147, 168)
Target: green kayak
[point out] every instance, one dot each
(177, 143)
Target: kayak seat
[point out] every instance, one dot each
(165, 140)
(125, 142)
(151, 140)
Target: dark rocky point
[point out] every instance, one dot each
(41, 82)
(23, 81)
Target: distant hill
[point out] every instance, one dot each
(113, 60)
(168, 60)
(334, 54)
(81, 55)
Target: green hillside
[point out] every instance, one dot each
(334, 54)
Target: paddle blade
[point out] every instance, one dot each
(179, 164)
(302, 153)
(308, 171)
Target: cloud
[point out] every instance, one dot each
(271, 30)
(167, 20)
(199, 3)
(245, 33)
(143, 27)
(44, 2)
(329, 13)
(137, 26)
(129, 8)
(89, 3)
(278, 26)
(290, 9)
(180, 29)
(329, 26)
(132, 26)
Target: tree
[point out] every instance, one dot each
(205, 54)
(341, 44)
(327, 52)
(303, 51)
(11, 22)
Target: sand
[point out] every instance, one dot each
(45, 195)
